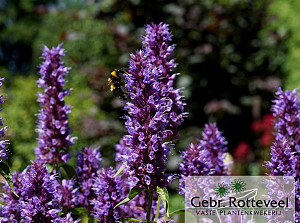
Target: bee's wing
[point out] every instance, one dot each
(108, 83)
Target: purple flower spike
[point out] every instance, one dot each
(195, 163)
(87, 169)
(158, 54)
(154, 112)
(286, 110)
(137, 207)
(37, 201)
(11, 211)
(109, 192)
(66, 195)
(155, 44)
(53, 129)
(205, 158)
(3, 143)
(283, 161)
(214, 142)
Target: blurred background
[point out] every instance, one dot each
(232, 56)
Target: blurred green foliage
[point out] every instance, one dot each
(19, 23)
(231, 53)
(287, 14)
(20, 107)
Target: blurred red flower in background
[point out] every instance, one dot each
(241, 152)
(264, 127)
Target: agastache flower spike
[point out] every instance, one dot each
(205, 158)
(87, 169)
(53, 129)
(11, 211)
(154, 112)
(137, 207)
(37, 201)
(3, 143)
(195, 163)
(283, 161)
(109, 192)
(66, 193)
(215, 143)
(158, 53)
(286, 110)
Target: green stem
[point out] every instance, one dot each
(157, 208)
(150, 192)
(91, 219)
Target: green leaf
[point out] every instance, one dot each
(49, 168)
(179, 211)
(120, 170)
(164, 196)
(70, 171)
(134, 191)
(5, 172)
(80, 211)
(5, 169)
(131, 219)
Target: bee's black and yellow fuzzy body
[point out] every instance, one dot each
(116, 83)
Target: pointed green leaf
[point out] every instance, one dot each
(134, 191)
(179, 211)
(4, 168)
(131, 219)
(120, 170)
(164, 196)
(5, 172)
(70, 171)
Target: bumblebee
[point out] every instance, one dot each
(116, 83)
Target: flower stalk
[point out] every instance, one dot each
(150, 199)
(54, 133)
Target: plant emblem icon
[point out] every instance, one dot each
(238, 186)
(222, 189)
